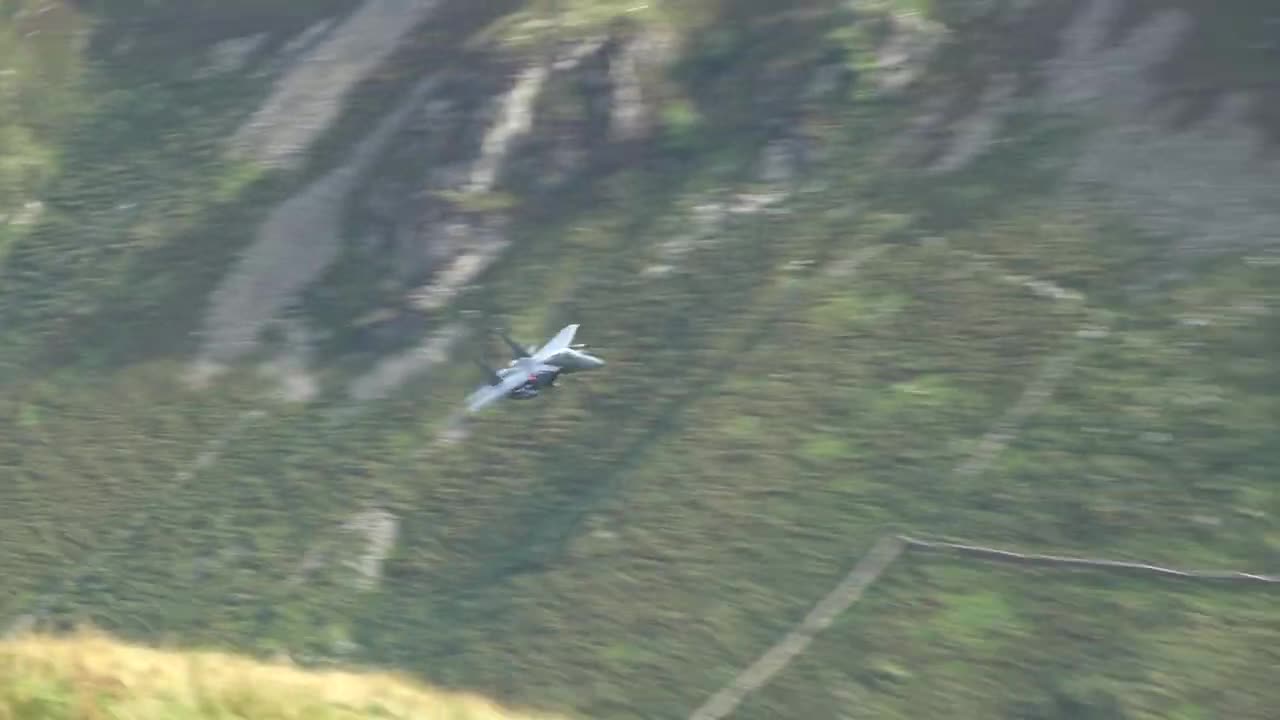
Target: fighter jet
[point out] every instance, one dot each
(533, 369)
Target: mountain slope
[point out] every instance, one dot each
(831, 273)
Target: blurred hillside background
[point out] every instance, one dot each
(998, 271)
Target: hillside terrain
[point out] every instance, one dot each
(1001, 272)
(90, 675)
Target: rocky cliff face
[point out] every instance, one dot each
(481, 137)
(423, 205)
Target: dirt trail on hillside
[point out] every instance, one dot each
(308, 97)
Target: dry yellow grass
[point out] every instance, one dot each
(90, 675)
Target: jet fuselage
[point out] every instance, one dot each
(534, 369)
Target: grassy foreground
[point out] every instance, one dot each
(91, 675)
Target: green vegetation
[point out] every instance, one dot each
(93, 676)
(40, 67)
(625, 546)
(539, 21)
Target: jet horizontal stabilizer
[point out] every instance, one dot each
(517, 350)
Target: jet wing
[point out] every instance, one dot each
(487, 394)
(561, 341)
